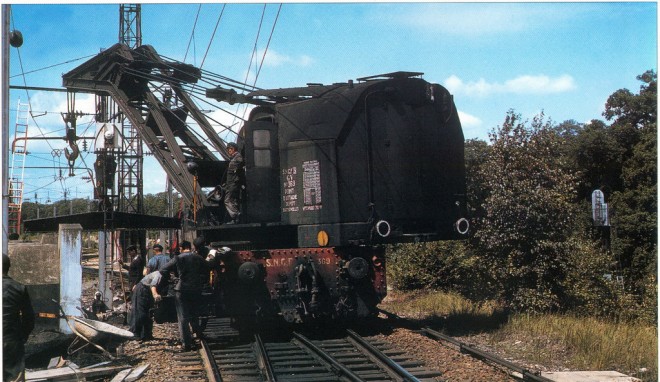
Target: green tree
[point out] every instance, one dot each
(476, 155)
(529, 213)
(157, 204)
(634, 205)
(596, 153)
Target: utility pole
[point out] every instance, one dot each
(4, 136)
(15, 38)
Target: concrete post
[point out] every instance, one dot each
(69, 241)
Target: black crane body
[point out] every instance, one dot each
(332, 173)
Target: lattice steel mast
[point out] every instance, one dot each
(131, 158)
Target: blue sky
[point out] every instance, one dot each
(564, 59)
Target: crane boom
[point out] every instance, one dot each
(130, 77)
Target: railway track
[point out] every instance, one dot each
(226, 355)
(298, 358)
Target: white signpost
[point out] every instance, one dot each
(599, 209)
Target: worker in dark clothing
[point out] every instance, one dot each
(98, 305)
(159, 259)
(145, 293)
(17, 324)
(136, 267)
(233, 183)
(189, 266)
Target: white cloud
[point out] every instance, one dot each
(525, 84)
(472, 126)
(230, 124)
(274, 58)
(473, 19)
(468, 120)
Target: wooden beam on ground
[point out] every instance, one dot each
(137, 373)
(66, 373)
(121, 376)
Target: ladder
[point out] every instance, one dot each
(18, 154)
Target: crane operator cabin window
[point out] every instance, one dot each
(261, 142)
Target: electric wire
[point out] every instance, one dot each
(192, 35)
(213, 35)
(208, 77)
(254, 53)
(256, 41)
(52, 66)
(20, 61)
(193, 92)
(263, 57)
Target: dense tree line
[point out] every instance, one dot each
(154, 204)
(533, 245)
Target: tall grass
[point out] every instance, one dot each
(587, 343)
(594, 344)
(423, 305)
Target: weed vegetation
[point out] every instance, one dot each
(557, 342)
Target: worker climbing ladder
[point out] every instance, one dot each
(18, 154)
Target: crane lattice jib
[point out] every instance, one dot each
(128, 76)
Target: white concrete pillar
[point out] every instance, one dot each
(69, 242)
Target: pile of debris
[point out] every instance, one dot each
(61, 370)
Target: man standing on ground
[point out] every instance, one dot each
(144, 294)
(17, 324)
(188, 291)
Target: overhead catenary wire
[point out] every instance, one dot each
(263, 57)
(20, 61)
(254, 53)
(213, 35)
(256, 41)
(192, 35)
(52, 66)
(196, 92)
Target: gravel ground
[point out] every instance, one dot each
(159, 352)
(453, 365)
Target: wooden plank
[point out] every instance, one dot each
(62, 373)
(588, 376)
(54, 362)
(121, 376)
(97, 365)
(137, 373)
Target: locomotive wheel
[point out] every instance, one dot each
(248, 272)
(358, 268)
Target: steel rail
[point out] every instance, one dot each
(464, 348)
(382, 358)
(211, 367)
(262, 359)
(337, 367)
